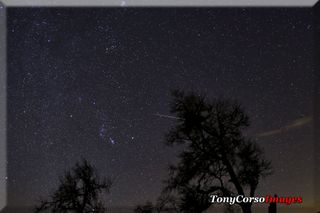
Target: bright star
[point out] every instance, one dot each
(112, 141)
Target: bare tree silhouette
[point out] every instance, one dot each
(217, 157)
(79, 192)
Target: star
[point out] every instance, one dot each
(102, 131)
(113, 142)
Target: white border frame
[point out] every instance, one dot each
(165, 3)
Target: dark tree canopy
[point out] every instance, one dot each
(79, 192)
(146, 208)
(165, 203)
(217, 158)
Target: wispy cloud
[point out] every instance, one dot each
(293, 125)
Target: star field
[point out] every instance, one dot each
(89, 82)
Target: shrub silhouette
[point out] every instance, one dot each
(79, 192)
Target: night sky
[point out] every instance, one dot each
(90, 82)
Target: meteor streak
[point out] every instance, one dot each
(168, 116)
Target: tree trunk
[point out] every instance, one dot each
(246, 208)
